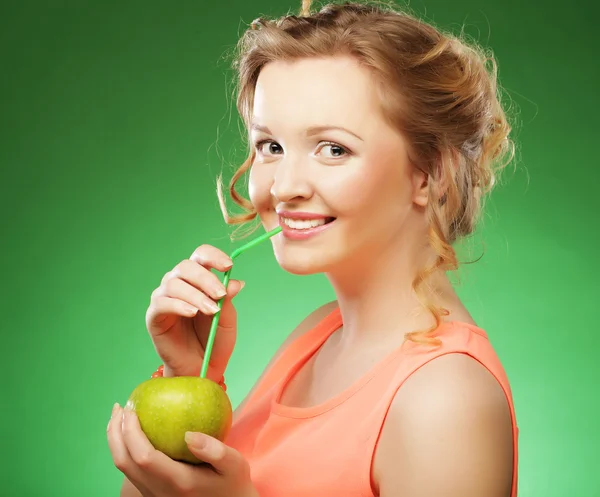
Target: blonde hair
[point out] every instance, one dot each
(438, 90)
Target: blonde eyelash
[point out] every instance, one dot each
(347, 151)
(334, 144)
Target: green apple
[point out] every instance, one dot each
(168, 407)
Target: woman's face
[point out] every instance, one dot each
(329, 168)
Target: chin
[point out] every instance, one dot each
(302, 261)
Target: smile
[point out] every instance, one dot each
(303, 227)
(303, 224)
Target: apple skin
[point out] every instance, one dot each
(168, 407)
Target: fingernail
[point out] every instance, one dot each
(191, 310)
(219, 292)
(115, 409)
(195, 439)
(242, 284)
(213, 307)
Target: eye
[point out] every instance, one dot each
(333, 150)
(268, 147)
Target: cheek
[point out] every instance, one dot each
(375, 188)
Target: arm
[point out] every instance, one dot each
(448, 434)
(128, 490)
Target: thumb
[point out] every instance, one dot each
(233, 288)
(224, 459)
(227, 329)
(228, 319)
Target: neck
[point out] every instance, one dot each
(376, 296)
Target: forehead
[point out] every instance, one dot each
(333, 90)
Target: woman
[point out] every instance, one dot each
(374, 137)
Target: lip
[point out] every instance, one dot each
(294, 234)
(301, 215)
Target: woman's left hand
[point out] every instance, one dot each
(156, 475)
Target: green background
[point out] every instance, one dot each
(116, 118)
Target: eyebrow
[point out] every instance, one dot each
(313, 130)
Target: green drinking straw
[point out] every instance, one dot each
(215, 320)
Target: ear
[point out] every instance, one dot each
(422, 183)
(420, 187)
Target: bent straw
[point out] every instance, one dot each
(216, 316)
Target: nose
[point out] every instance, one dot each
(291, 181)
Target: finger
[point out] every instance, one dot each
(146, 458)
(198, 276)
(163, 311)
(224, 459)
(211, 257)
(181, 290)
(118, 450)
(233, 288)
(228, 318)
(115, 441)
(226, 334)
(167, 306)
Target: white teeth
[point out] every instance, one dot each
(303, 224)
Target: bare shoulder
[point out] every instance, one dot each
(448, 432)
(308, 323)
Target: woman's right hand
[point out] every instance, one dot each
(181, 310)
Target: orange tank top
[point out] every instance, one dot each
(327, 450)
